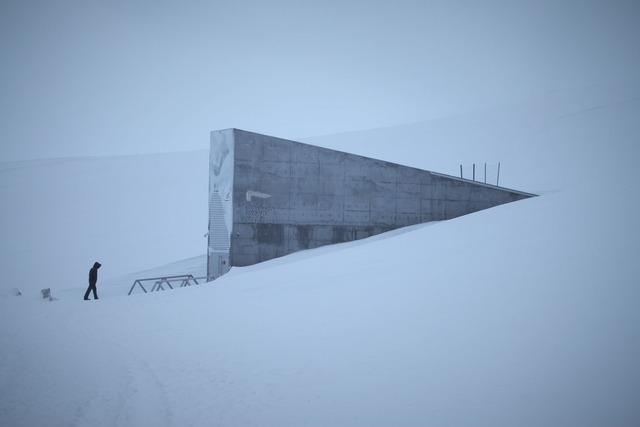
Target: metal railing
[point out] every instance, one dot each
(489, 175)
(160, 282)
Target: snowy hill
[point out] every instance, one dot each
(61, 214)
(524, 314)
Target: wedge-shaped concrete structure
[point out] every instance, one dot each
(270, 197)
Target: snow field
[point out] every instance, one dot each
(521, 315)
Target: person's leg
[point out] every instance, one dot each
(86, 294)
(95, 292)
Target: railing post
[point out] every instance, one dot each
(137, 282)
(132, 286)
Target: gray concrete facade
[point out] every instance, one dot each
(270, 197)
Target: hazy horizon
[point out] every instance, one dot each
(117, 78)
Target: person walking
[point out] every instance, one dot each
(93, 279)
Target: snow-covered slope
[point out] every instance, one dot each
(129, 212)
(524, 314)
(550, 142)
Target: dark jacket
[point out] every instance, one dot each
(93, 273)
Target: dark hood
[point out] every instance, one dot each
(97, 265)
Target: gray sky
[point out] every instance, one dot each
(88, 77)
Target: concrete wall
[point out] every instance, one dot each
(221, 173)
(288, 196)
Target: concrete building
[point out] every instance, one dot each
(269, 197)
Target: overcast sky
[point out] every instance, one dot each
(89, 77)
